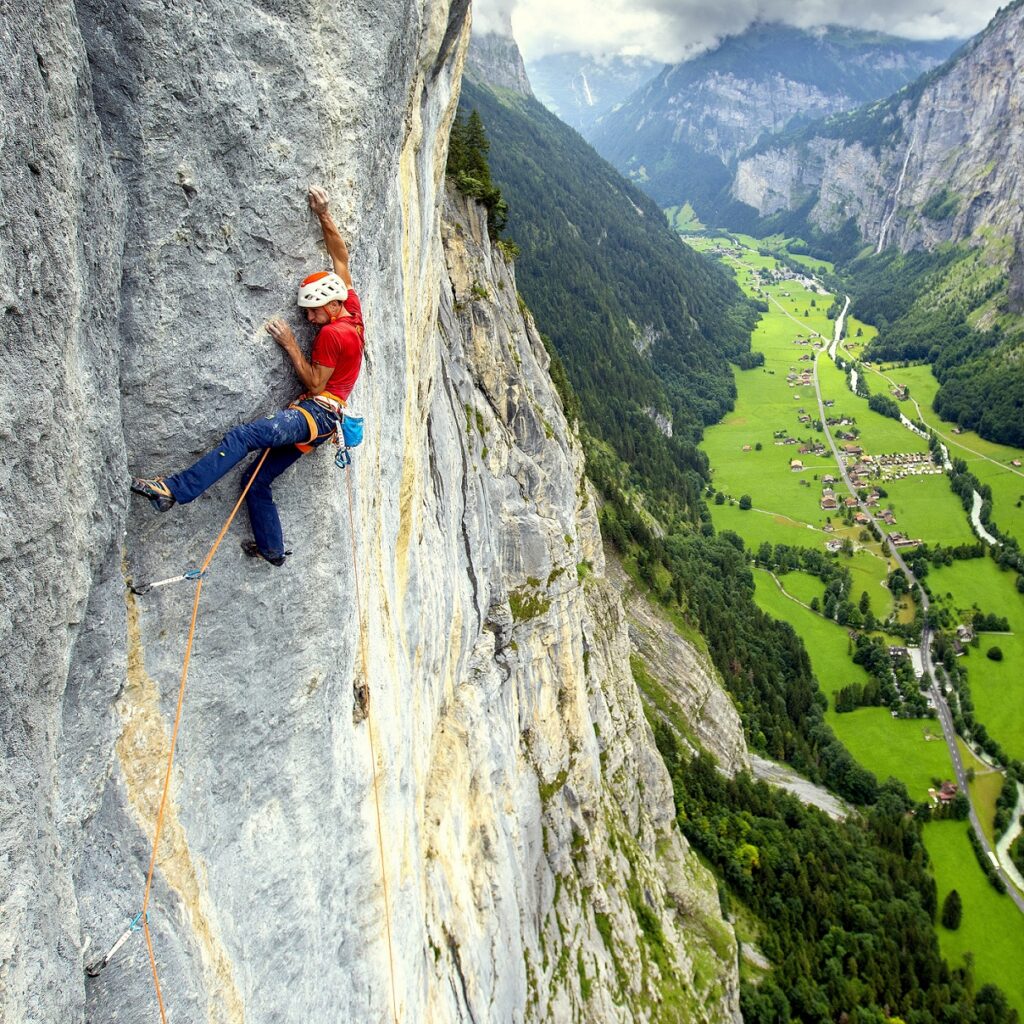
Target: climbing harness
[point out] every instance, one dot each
(134, 925)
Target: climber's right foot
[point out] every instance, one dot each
(156, 490)
(251, 548)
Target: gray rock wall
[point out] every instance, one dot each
(155, 163)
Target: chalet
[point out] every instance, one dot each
(829, 502)
(1015, 462)
(796, 465)
(850, 501)
(746, 447)
(853, 449)
(947, 793)
(872, 499)
(898, 652)
(861, 519)
(828, 478)
(965, 633)
(834, 546)
(790, 440)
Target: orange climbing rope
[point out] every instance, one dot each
(177, 723)
(373, 755)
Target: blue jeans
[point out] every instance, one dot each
(279, 433)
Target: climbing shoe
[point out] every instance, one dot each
(251, 548)
(157, 491)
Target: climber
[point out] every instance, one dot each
(328, 377)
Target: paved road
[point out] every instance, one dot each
(938, 697)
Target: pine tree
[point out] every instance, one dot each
(952, 910)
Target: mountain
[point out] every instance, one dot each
(678, 136)
(581, 89)
(644, 325)
(495, 57)
(928, 181)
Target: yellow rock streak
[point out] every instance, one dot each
(142, 753)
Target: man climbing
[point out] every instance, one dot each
(327, 376)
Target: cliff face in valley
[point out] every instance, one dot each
(939, 161)
(678, 136)
(495, 57)
(581, 89)
(154, 169)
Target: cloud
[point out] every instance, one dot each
(671, 30)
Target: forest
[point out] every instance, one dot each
(643, 324)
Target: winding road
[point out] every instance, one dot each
(934, 689)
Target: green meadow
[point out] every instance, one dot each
(992, 929)
(991, 463)
(997, 687)
(926, 508)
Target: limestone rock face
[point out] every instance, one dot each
(494, 57)
(947, 167)
(155, 161)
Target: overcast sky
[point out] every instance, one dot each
(670, 30)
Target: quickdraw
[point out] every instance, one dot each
(135, 925)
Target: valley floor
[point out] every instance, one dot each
(771, 477)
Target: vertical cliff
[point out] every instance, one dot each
(155, 162)
(939, 161)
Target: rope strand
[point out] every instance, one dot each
(174, 732)
(373, 756)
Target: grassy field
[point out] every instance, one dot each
(989, 462)
(985, 790)
(925, 507)
(992, 929)
(826, 641)
(997, 687)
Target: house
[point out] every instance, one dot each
(853, 449)
(834, 546)
(829, 502)
(796, 465)
(964, 633)
(746, 447)
(850, 501)
(898, 652)
(861, 519)
(872, 499)
(828, 478)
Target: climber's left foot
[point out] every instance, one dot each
(156, 490)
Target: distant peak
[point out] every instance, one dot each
(494, 56)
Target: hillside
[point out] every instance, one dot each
(678, 137)
(644, 325)
(925, 188)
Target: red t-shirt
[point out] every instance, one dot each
(339, 345)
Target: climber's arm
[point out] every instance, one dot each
(314, 377)
(332, 236)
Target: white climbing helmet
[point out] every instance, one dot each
(320, 288)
